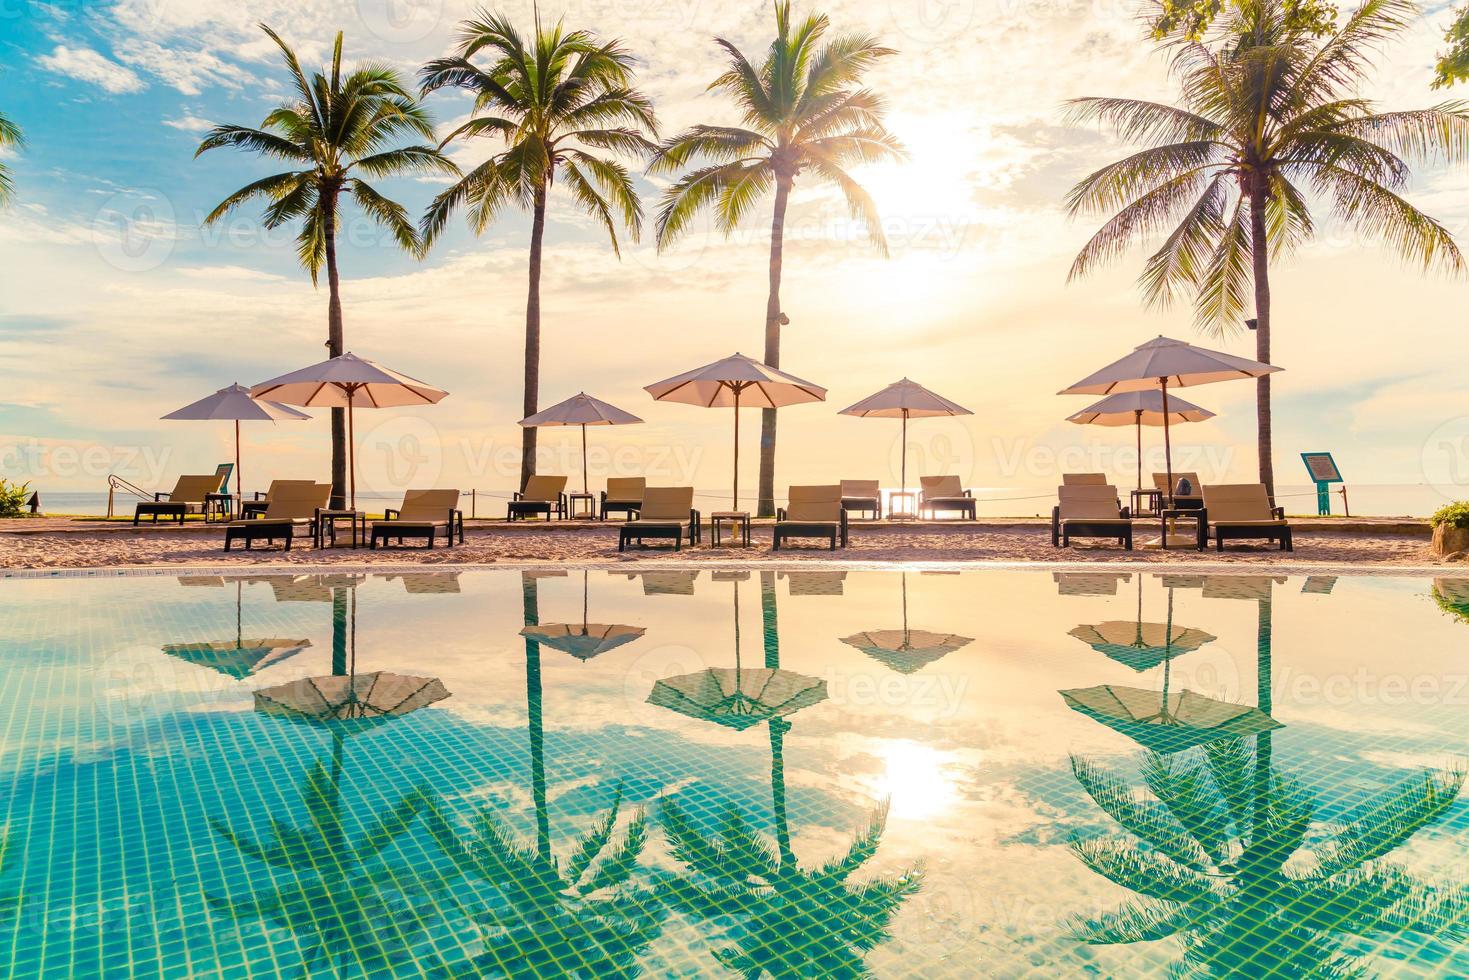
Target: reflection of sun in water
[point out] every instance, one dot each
(914, 779)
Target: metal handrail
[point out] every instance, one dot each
(115, 483)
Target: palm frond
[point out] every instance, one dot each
(254, 140)
(1144, 216)
(696, 190)
(860, 204)
(1143, 818)
(1139, 121)
(390, 214)
(1226, 289)
(1390, 821)
(274, 187)
(1411, 233)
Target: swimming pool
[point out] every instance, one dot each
(730, 771)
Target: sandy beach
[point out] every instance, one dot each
(60, 543)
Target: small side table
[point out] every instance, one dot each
(739, 526)
(581, 506)
(219, 505)
(253, 508)
(326, 525)
(1146, 501)
(1189, 514)
(911, 513)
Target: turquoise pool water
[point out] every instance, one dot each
(734, 772)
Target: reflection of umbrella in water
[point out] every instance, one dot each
(1167, 722)
(582, 640)
(906, 650)
(738, 697)
(1089, 583)
(240, 657)
(1139, 645)
(675, 582)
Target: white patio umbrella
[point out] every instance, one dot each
(904, 400)
(234, 404)
(348, 381)
(583, 410)
(1137, 409)
(1167, 363)
(737, 382)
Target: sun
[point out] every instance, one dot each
(915, 780)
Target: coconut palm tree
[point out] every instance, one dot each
(1229, 857)
(805, 113)
(564, 106)
(10, 138)
(10, 900)
(579, 914)
(1268, 119)
(339, 129)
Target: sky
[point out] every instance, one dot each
(117, 307)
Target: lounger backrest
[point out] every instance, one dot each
(859, 488)
(941, 486)
(544, 488)
(1084, 479)
(221, 476)
(1160, 480)
(276, 486)
(298, 502)
(191, 489)
(428, 505)
(667, 503)
(1227, 502)
(822, 503)
(1088, 502)
(626, 489)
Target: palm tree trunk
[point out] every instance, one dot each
(766, 504)
(533, 340)
(334, 346)
(531, 613)
(1260, 247)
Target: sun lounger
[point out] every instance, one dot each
(1084, 479)
(862, 496)
(189, 495)
(542, 495)
(1192, 501)
(1234, 511)
(423, 515)
(249, 508)
(624, 494)
(294, 508)
(944, 493)
(812, 512)
(668, 512)
(1089, 511)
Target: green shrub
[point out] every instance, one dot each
(1453, 515)
(13, 497)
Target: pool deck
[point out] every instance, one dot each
(1333, 544)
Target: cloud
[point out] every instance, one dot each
(190, 124)
(84, 64)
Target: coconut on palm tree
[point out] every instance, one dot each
(805, 114)
(1269, 124)
(339, 129)
(563, 105)
(10, 139)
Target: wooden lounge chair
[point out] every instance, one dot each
(1089, 511)
(944, 493)
(294, 508)
(1234, 511)
(1171, 499)
(812, 512)
(188, 496)
(862, 496)
(1084, 479)
(668, 512)
(424, 513)
(624, 494)
(542, 495)
(249, 508)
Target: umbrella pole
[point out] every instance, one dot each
(584, 458)
(239, 480)
(1138, 424)
(903, 458)
(1167, 443)
(736, 504)
(351, 451)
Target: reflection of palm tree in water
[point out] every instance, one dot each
(360, 913)
(10, 900)
(792, 921)
(1224, 856)
(581, 916)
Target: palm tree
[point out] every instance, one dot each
(805, 113)
(10, 901)
(577, 915)
(339, 130)
(1268, 116)
(1226, 855)
(564, 106)
(10, 138)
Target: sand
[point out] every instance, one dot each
(57, 543)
